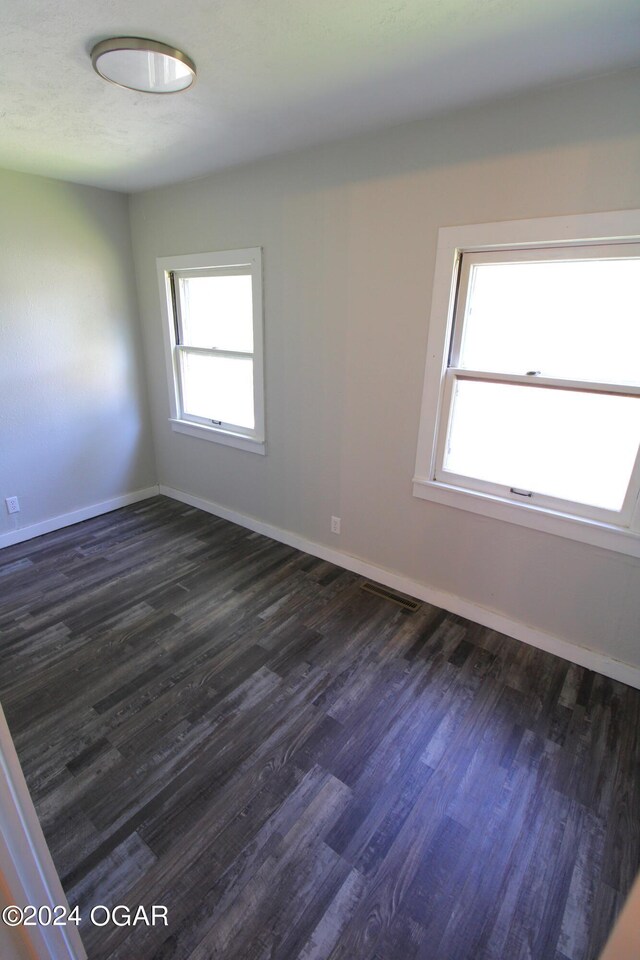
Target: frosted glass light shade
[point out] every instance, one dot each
(144, 65)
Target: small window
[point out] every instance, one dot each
(538, 393)
(214, 342)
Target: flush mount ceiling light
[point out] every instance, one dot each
(145, 65)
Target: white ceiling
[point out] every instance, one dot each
(276, 74)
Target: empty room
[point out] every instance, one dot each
(320, 480)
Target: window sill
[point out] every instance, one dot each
(606, 535)
(218, 436)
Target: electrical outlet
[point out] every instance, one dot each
(335, 524)
(13, 505)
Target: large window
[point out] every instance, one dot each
(213, 336)
(537, 360)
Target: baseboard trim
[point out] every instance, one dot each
(584, 657)
(77, 516)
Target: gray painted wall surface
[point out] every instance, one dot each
(349, 234)
(74, 422)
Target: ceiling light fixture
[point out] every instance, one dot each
(145, 65)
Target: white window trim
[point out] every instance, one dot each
(617, 226)
(252, 257)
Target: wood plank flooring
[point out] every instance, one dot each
(300, 770)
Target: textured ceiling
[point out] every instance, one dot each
(276, 74)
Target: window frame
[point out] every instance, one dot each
(458, 249)
(247, 261)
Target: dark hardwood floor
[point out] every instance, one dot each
(300, 770)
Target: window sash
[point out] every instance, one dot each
(180, 346)
(175, 275)
(532, 497)
(194, 273)
(245, 262)
(240, 354)
(452, 372)
(226, 425)
(584, 386)
(614, 250)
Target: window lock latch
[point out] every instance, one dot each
(521, 493)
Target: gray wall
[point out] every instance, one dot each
(74, 425)
(349, 233)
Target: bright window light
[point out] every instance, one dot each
(213, 338)
(218, 389)
(540, 399)
(578, 319)
(563, 443)
(217, 312)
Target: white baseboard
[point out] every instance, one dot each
(591, 659)
(67, 519)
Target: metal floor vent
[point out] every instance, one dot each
(406, 602)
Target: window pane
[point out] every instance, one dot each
(217, 312)
(562, 443)
(576, 320)
(218, 388)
